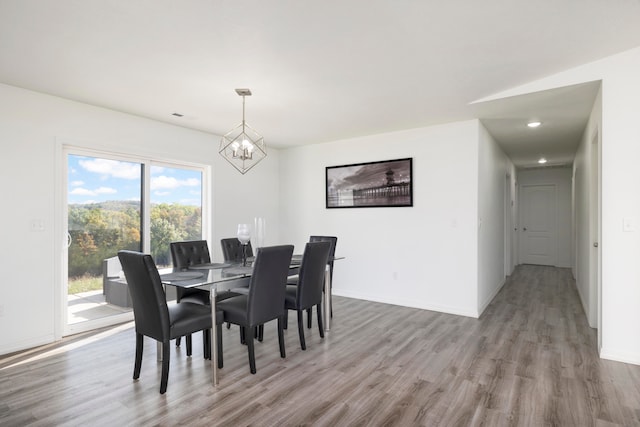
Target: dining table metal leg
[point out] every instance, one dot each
(214, 337)
(327, 299)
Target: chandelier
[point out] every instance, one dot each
(242, 146)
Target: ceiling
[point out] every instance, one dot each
(562, 112)
(324, 70)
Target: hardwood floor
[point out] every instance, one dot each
(530, 360)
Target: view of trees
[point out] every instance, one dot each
(100, 230)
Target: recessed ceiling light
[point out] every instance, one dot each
(542, 160)
(534, 124)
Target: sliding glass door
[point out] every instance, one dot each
(116, 203)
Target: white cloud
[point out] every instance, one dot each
(162, 181)
(112, 168)
(162, 193)
(80, 191)
(167, 182)
(106, 190)
(77, 183)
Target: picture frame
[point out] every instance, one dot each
(386, 183)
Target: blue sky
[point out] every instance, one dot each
(93, 180)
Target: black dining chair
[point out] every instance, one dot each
(184, 255)
(332, 252)
(307, 293)
(187, 254)
(265, 300)
(232, 249)
(157, 320)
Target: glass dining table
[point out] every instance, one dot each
(216, 277)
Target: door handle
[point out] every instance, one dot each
(595, 244)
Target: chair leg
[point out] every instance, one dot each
(189, 348)
(331, 305)
(309, 318)
(219, 341)
(320, 324)
(243, 338)
(283, 353)
(260, 333)
(178, 341)
(165, 367)
(252, 356)
(138, 362)
(286, 319)
(301, 330)
(206, 343)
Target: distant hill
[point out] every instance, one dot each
(110, 205)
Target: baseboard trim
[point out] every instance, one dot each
(585, 307)
(486, 303)
(407, 303)
(633, 359)
(27, 344)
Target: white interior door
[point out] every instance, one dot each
(539, 239)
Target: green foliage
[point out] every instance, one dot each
(100, 230)
(84, 283)
(171, 223)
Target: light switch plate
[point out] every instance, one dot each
(37, 225)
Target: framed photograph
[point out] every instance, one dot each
(387, 183)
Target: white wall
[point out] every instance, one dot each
(30, 125)
(620, 198)
(561, 178)
(423, 256)
(494, 167)
(586, 254)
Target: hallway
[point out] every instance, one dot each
(542, 356)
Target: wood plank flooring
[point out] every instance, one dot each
(530, 360)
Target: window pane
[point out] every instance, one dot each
(176, 209)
